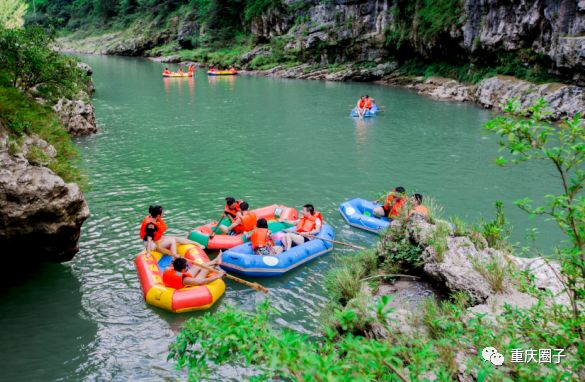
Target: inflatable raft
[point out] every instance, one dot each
(359, 213)
(150, 270)
(242, 259)
(178, 75)
(222, 72)
(202, 234)
(369, 113)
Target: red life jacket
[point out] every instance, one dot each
(307, 224)
(173, 279)
(369, 103)
(362, 104)
(398, 206)
(260, 238)
(232, 211)
(160, 227)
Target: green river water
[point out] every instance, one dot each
(186, 144)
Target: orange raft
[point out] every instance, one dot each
(231, 72)
(175, 74)
(150, 270)
(202, 234)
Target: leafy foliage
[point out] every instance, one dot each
(528, 135)
(12, 13)
(233, 336)
(28, 62)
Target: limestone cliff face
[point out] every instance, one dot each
(40, 214)
(551, 32)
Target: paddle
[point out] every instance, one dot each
(334, 241)
(256, 286)
(217, 226)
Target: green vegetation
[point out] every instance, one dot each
(509, 63)
(28, 67)
(12, 13)
(446, 338)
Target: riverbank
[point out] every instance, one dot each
(41, 109)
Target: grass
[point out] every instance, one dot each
(496, 272)
(21, 116)
(438, 240)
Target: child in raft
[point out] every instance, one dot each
(244, 222)
(262, 244)
(152, 233)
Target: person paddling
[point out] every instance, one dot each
(232, 208)
(310, 224)
(152, 232)
(361, 106)
(244, 222)
(178, 275)
(393, 204)
(262, 244)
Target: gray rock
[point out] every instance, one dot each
(85, 68)
(77, 115)
(40, 215)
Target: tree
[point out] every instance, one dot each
(530, 135)
(12, 13)
(27, 60)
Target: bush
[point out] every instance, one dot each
(28, 62)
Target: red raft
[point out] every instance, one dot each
(219, 241)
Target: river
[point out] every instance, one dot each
(188, 143)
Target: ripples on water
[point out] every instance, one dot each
(186, 145)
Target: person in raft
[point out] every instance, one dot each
(393, 204)
(369, 102)
(361, 106)
(212, 68)
(244, 222)
(166, 72)
(262, 244)
(152, 232)
(178, 275)
(417, 207)
(232, 208)
(191, 69)
(309, 224)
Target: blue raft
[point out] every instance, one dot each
(369, 113)
(241, 259)
(359, 213)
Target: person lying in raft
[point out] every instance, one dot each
(244, 222)
(417, 207)
(309, 224)
(262, 244)
(361, 106)
(152, 232)
(178, 275)
(166, 72)
(393, 204)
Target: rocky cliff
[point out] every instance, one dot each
(40, 214)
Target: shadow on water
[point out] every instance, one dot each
(45, 335)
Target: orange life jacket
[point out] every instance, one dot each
(307, 224)
(191, 69)
(362, 103)
(247, 223)
(173, 279)
(396, 208)
(166, 72)
(232, 211)
(160, 227)
(260, 238)
(369, 103)
(420, 209)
